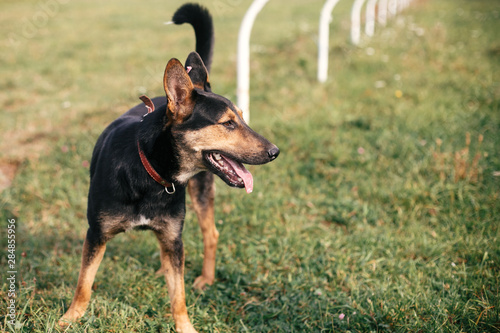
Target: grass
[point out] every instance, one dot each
(383, 205)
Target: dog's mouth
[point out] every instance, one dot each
(230, 170)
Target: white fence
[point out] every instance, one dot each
(376, 11)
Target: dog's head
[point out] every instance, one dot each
(209, 130)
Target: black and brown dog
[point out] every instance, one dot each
(143, 162)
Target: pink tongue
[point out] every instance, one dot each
(243, 173)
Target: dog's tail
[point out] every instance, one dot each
(201, 20)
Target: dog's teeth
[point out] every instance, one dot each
(222, 163)
(217, 157)
(239, 179)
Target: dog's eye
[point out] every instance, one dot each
(229, 124)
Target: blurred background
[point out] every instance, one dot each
(381, 213)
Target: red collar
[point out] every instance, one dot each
(169, 187)
(149, 168)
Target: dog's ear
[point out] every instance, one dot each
(197, 71)
(179, 88)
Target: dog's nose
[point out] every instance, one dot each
(273, 153)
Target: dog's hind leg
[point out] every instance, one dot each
(172, 266)
(202, 191)
(93, 252)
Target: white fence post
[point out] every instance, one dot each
(243, 89)
(356, 21)
(382, 12)
(392, 8)
(401, 5)
(323, 38)
(370, 17)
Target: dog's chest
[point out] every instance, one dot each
(142, 221)
(117, 223)
(170, 224)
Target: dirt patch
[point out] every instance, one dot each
(20, 147)
(8, 171)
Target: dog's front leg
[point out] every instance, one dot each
(92, 254)
(172, 265)
(202, 192)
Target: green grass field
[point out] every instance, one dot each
(381, 214)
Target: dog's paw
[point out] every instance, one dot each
(70, 317)
(202, 282)
(65, 322)
(185, 328)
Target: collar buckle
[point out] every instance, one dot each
(171, 192)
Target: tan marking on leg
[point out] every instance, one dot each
(172, 265)
(91, 258)
(204, 208)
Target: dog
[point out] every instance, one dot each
(143, 162)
